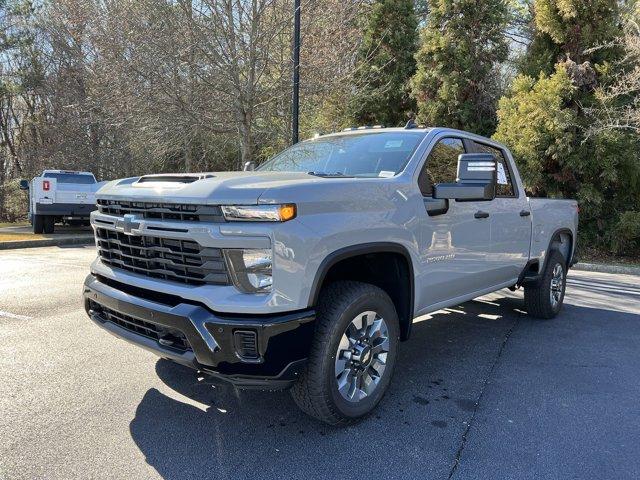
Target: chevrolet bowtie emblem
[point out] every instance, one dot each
(127, 223)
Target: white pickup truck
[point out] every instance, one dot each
(60, 196)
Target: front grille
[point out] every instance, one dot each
(182, 261)
(167, 337)
(162, 211)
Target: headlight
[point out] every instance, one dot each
(259, 213)
(250, 269)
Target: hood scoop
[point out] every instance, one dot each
(174, 178)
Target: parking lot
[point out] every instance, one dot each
(481, 391)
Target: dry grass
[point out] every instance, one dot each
(16, 237)
(11, 224)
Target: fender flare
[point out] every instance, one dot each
(363, 249)
(555, 236)
(527, 278)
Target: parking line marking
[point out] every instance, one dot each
(14, 316)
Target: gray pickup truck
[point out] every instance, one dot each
(308, 272)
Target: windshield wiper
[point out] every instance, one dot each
(328, 174)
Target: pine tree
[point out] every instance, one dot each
(545, 117)
(385, 63)
(463, 44)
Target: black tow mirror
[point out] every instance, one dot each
(476, 179)
(24, 184)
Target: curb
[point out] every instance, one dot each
(604, 268)
(48, 242)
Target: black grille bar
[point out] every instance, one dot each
(168, 337)
(162, 211)
(182, 261)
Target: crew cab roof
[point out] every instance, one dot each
(71, 172)
(374, 130)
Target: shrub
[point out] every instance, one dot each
(625, 237)
(14, 203)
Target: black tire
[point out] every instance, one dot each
(38, 224)
(538, 298)
(316, 393)
(49, 223)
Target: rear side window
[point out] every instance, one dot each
(504, 188)
(75, 178)
(441, 165)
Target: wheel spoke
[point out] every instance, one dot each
(344, 381)
(380, 346)
(353, 388)
(369, 383)
(341, 365)
(378, 329)
(344, 343)
(378, 367)
(369, 318)
(352, 332)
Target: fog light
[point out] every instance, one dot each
(250, 269)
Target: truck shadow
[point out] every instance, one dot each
(201, 428)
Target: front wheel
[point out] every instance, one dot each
(544, 300)
(353, 353)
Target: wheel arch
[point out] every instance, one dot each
(367, 252)
(565, 248)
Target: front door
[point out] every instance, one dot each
(455, 241)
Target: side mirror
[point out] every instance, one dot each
(24, 184)
(249, 167)
(476, 179)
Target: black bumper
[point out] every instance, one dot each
(78, 210)
(249, 351)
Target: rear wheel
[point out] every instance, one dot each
(353, 353)
(38, 223)
(544, 300)
(49, 222)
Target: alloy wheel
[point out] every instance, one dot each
(362, 356)
(557, 285)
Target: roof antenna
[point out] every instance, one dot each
(411, 123)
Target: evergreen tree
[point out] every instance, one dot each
(385, 63)
(544, 118)
(463, 44)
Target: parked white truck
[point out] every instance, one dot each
(308, 272)
(60, 196)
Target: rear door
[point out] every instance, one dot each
(454, 243)
(510, 219)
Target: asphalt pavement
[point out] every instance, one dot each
(481, 391)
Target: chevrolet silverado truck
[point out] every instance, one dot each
(60, 196)
(307, 272)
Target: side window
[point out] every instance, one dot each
(505, 183)
(441, 165)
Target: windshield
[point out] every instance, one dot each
(78, 179)
(381, 154)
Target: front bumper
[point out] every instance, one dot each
(193, 335)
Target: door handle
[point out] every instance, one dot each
(481, 214)
(525, 213)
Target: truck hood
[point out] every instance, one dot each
(215, 188)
